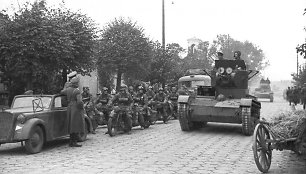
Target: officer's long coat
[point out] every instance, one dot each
(75, 110)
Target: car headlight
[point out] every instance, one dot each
(21, 118)
(221, 70)
(229, 70)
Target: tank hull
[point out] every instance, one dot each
(210, 110)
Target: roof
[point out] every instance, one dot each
(194, 78)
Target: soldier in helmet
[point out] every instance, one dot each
(131, 91)
(86, 96)
(172, 98)
(160, 99)
(124, 101)
(141, 100)
(102, 101)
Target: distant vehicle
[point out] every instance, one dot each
(225, 100)
(264, 91)
(36, 119)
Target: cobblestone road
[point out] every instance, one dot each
(217, 148)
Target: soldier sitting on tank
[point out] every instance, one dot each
(240, 64)
(160, 100)
(141, 100)
(102, 101)
(124, 102)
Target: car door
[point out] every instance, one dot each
(60, 118)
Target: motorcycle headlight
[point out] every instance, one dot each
(229, 70)
(21, 118)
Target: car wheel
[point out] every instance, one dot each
(36, 140)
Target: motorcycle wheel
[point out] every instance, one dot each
(112, 127)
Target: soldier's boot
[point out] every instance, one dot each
(74, 141)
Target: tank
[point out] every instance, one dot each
(226, 99)
(264, 90)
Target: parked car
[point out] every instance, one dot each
(36, 119)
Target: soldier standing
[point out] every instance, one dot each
(173, 97)
(303, 96)
(75, 111)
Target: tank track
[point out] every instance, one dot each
(249, 117)
(185, 123)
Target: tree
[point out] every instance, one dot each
(124, 49)
(198, 57)
(40, 45)
(166, 63)
(250, 53)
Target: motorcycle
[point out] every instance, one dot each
(161, 111)
(172, 109)
(119, 122)
(95, 116)
(137, 112)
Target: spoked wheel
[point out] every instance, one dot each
(261, 148)
(112, 127)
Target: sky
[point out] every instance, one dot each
(275, 26)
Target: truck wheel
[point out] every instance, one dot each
(83, 136)
(36, 140)
(186, 124)
(248, 122)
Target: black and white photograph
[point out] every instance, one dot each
(152, 86)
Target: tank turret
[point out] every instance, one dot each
(230, 78)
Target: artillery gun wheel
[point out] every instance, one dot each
(183, 115)
(261, 148)
(248, 122)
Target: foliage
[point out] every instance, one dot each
(39, 43)
(124, 49)
(166, 63)
(199, 56)
(252, 55)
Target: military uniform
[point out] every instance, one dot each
(75, 112)
(173, 97)
(160, 99)
(101, 103)
(303, 96)
(123, 101)
(142, 100)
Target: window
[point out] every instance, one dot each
(58, 102)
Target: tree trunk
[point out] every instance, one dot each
(64, 76)
(119, 77)
(29, 82)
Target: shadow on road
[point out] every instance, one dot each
(17, 149)
(222, 128)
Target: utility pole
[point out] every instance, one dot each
(163, 24)
(297, 61)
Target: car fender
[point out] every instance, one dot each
(24, 132)
(183, 99)
(246, 102)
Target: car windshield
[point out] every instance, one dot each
(26, 102)
(193, 84)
